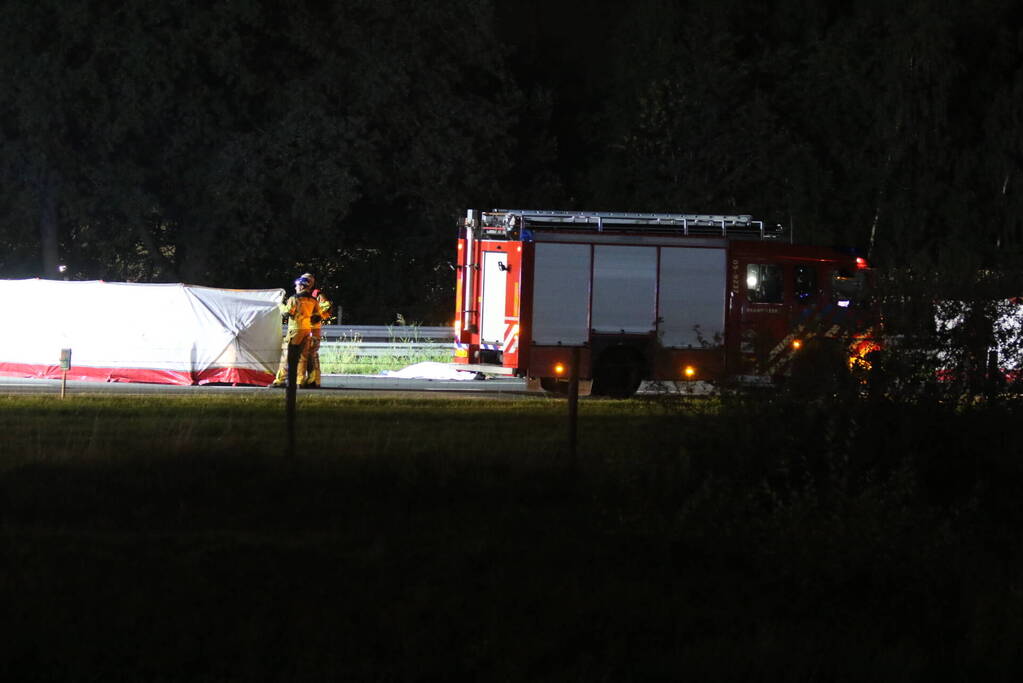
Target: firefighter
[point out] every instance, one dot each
(300, 309)
(322, 315)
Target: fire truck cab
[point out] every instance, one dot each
(640, 296)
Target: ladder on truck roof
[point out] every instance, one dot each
(743, 225)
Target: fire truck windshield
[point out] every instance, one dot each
(764, 283)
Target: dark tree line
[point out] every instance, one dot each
(238, 143)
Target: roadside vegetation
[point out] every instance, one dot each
(837, 534)
(350, 355)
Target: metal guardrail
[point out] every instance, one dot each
(374, 341)
(388, 333)
(377, 349)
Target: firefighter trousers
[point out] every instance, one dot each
(304, 353)
(312, 377)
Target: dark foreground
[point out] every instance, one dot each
(168, 540)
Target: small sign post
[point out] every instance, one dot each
(65, 365)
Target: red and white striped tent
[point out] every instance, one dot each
(125, 332)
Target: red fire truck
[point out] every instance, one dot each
(641, 296)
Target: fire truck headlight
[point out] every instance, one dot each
(689, 371)
(559, 369)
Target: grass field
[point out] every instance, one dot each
(171, 539)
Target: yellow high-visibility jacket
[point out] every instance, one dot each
(299, 309)
(323, 308)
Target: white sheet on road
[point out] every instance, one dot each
(430, 370)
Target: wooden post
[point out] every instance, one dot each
(573, 404)
(65, 365)
(294, 351)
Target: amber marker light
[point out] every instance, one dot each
(559, 369)
(797, 344)
(689, 372)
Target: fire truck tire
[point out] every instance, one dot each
(618, 373)
(821, 368)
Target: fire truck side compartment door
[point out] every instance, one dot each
(561, 294)
(692, 293)
(624, 289)
(495, 277)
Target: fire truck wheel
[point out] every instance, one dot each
(618, 373)
(821, 368)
